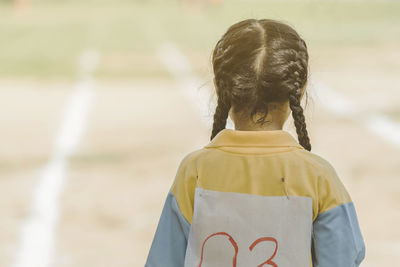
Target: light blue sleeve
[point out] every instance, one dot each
(168, 248)
(337, 239)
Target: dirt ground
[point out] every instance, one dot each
(137, 134)
(29, 117)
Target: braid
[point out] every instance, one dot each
(220, 116)
(257, 62)
(298, 115)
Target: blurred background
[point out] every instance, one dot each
(101, 99)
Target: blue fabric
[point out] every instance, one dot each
(337, 240)
(168, 248)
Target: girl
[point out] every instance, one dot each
(254, 196)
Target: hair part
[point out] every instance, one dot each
(257, 62)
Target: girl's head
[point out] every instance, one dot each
(260, 67)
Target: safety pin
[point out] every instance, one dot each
(284, 186)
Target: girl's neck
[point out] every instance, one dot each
(275, 119)
(266, 127)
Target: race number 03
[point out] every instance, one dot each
(236, 248)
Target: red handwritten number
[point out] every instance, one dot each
(266, 239)
(234, 244)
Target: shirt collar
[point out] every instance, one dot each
(239, 138)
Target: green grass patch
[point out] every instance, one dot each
(46, 42)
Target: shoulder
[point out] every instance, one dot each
(192, 157)
(322, 165)
(331, 190)
(184, 185)
(187, 169)
(190, 161)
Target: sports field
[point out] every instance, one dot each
(100, 100)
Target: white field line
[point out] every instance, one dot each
(339, 105)
(177, 64)
(38, 231)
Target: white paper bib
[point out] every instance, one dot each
(243, 230)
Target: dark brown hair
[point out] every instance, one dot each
(257, 62)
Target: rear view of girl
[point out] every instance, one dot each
(255, 196)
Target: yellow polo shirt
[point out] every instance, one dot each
(266, 164)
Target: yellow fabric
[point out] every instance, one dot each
(254, 162)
